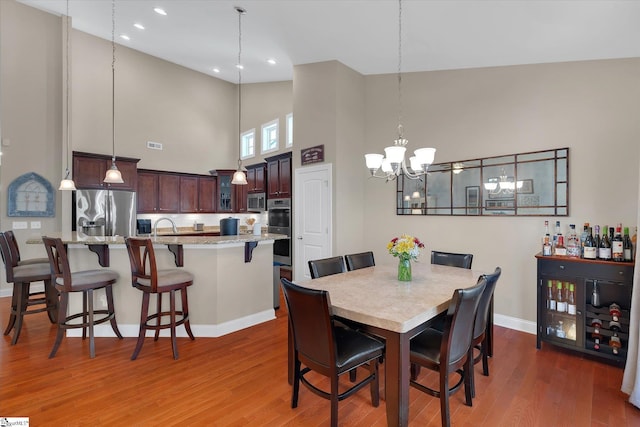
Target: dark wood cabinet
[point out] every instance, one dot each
(170, 192)
(240, 198)
(147, 192)
(225, 191)
(256, 178)
(89, 170)
(611, 281)
(279, 176)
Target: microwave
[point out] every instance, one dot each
(257, 202)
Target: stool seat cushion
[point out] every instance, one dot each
(90, 279)
(168, 278)
(34, 272)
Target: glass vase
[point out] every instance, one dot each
(404, 270)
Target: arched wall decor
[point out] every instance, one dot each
(31, 195)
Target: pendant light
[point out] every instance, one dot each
(239, 177)
(113, 175)
(392, 164)
(67, 184)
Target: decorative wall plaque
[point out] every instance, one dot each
(30, 195)
(312, 155)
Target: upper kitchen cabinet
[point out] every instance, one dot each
(197, 194)
(89, 170)
(279, 176)
(256, 178)
(225, 191)
(158, 192)
(147, 192)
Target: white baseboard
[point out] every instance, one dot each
(515, 323)
(35, 287)
(205, 331)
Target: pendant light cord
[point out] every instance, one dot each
(400, 127)
(67, 94)
(241, 12)
(113, 81)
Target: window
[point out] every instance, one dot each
(270, 136)
(289, 122)
(248, 144)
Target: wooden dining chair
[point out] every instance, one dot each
(448, 352)
(326, 266)
(327, 349)
(15, 251)
(360, 260)
(23, 300)
(481, 326)
(86, 282)
(146, 277)
(451, 259)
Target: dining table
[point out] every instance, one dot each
(395, 311)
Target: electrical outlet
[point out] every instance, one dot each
(19, 225)
(36, 225)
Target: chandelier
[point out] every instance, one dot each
(502, 185)
(392, 164)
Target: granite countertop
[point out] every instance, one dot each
(80, 238)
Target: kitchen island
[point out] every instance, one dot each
(232, 289)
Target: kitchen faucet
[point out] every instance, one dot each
(155, 226)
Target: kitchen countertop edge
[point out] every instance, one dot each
(79, 238)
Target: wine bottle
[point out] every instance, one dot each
(560, 249)
(596, 238)
(571, 300)
(561, 303)
(573, 243)
(614, 343)
(595, 295)
(627, 247)
(590, 248)
(615, 326)
(614, 311)
(634, 241)
(560, 332)
(546, 240)
(596, 324)
(604, 250)
(551, 299)
(583, 237)
(556, 234)
(617, 245)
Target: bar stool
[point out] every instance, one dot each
(22, 275)
(80, 281)
(146, 277)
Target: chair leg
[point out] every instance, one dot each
(375, 384)
(484, 349)
(112, 311)
(444, 398)
(21, 308)
(185, 313)
(334, 400)
(159, 318)
(469, 386)
(92, 344)
(471, 373)
(144, 314)
(17, 289)
(353, 375)
(296, 382)
(415, 371)
(51, 296)
(172, 315)
(62, 317)
(84, 314)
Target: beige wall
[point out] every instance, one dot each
(30, 105)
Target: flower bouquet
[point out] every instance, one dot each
(405, 248)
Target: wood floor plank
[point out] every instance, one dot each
(241, 379)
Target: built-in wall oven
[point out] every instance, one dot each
(279, 217)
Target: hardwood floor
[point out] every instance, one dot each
(241, 380)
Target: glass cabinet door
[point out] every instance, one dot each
(562, 312)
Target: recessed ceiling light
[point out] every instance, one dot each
(160, 11)
(216, 70)
(271, 61)
(240, 66)
(139, 26)
(125, 37)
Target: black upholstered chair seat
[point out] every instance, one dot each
(426, 347)
(354, 348)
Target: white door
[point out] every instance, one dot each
(312, 217)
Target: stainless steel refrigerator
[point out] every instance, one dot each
(106, 212)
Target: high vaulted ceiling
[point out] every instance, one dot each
(362, 34)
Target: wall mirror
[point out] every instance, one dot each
(524, 184)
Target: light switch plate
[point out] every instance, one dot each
(36, 225)
(19, 225)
